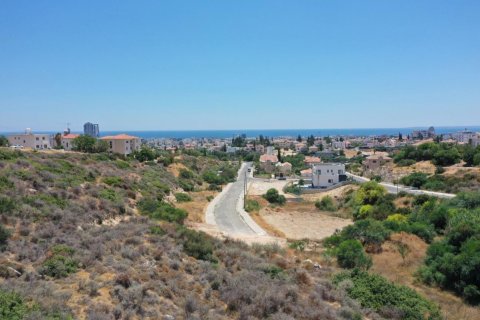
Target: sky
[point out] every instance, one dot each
(245, 64)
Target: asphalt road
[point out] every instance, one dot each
(394, 189)
(226, 215)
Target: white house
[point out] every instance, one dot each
(328, 174)
(122, 143)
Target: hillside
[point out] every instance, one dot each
(96, 237)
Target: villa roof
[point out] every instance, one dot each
(268, 158)
(309, 159)
(119, 137)
(71, 136)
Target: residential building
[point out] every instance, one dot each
(67, 141)
(270, 150)
(260, 148)
(122, 143)
(91, 129)
(284, 169)
(31, 140)
(306, 174)
(313, 149)
(328, 174)
(376, 161)
(310, 161)
(465, 136)
(268, 162)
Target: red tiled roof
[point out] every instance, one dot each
(119, 137)
(71, 136)
(268, 157)
(306, 171)
(312, 159)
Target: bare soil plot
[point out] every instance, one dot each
(336, 193)
(421, 166)
(259, 187)
(302, 220)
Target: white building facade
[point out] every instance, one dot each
(31, 140)
(325, 175)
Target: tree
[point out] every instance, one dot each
(416, 179)
(58, 140)
(350, 254)
(84, 143)
(145, 154)
(273, 196)
(299, 138)
(3, 141)
(310, 140)
(400, 136)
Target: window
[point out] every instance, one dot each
(37, 138)
(111, 144)
(45, 146)
(43, 138)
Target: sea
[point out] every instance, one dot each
(223, 134)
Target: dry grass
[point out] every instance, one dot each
(175, 168)
(421, 166)
(196, 208)
(390, 264)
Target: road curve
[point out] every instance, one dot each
(228, 213)
(394, 189)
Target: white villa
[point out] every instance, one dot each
(328, 174)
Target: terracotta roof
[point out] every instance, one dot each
(378, 156)
(312, 159)
(268, 157)
(305, 172)
(285, 164)
(119, 137)
(71, 136)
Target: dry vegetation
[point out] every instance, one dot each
(78, 248)
(390, 264)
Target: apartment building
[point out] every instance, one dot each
(122, 143)
(31, 140)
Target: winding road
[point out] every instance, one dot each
(226, 210)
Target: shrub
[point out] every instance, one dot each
(7, 205)
(113, 181)
(183, 197)
(326, 204)
(416, 179)
(350, 254)
(375, 292)
(273, 196)
(186, 174)
(12, 306)
(161, 210)
(4, 235)
(186, 185)
(399, 218)
(294, 189)
(252, 206)
(406, 162)
(60, 264)
(197, 244)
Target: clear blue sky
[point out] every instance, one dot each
(220, 64)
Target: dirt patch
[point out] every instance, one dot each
(196, 208)
(175, 168)
(391, 265)
(302, 220)
(337, 193)
(454, 170)
(421, 166)
(259, 187)
(350, 153)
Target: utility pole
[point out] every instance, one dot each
(245, 190)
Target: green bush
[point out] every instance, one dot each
(61, 263)
(157, 230)
(7, 205)
(12, 306)
(273, 196)
(252, 205)
(4, 235)
(377, 293)
(186, 174)
(294, 189)
(197, 244)
(110, 194)
(183, 197)
(326, 204)
(416, 179)
(113, 181)
(350, 254)
(162, 211)
(186, 185)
